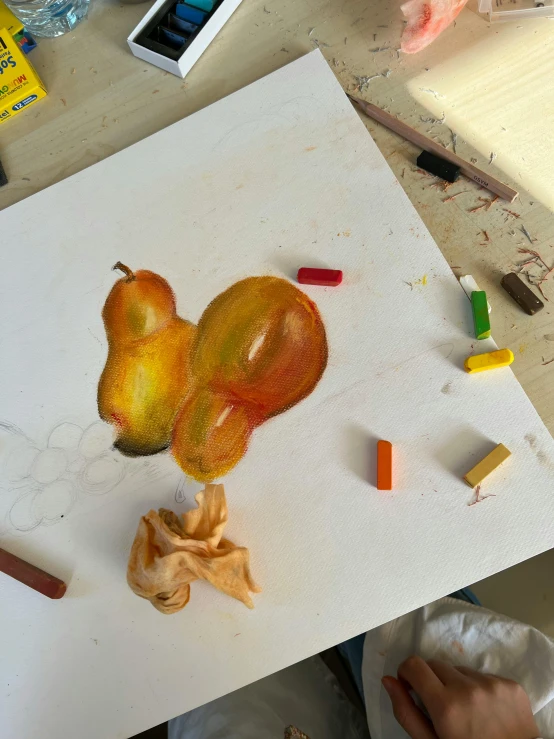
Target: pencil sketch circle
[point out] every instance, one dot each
(54, 501)
(76, 464)
(45, 483)
(49, 465)
(19, 462)
(65, 436)
(96, 439)
(102, 474)
(21, 514)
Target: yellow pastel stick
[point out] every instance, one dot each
(489, 360)
(486, 466)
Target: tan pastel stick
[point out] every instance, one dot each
(410, 134)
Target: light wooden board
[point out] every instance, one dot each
(276, 176)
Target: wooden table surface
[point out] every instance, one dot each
(490, 84)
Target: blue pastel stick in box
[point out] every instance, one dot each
(172, 39)
(206, 5)
(193, 15)
(181, 25)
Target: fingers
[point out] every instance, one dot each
(472, 674)
(417, 673)
(408, 715)
(447, 674)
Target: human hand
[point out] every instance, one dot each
(461, 703)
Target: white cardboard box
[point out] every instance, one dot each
(195, 48)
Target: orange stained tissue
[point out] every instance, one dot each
(147, 373)
(170, 552)
(384, 465)
(260, 348)
(425, 20)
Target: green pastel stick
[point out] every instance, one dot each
(480, 314)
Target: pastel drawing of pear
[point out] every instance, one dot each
(148, 369)
(260, 348)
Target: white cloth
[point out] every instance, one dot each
(462, 634)
(308, 696)
(305, 695)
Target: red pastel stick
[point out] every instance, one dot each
(313, 276)
(31, 576)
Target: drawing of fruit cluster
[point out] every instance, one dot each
(44, 481)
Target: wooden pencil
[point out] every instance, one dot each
(417, 138)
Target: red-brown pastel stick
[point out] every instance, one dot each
(384, 465)
(31, 576)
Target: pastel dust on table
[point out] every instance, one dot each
(259, 348)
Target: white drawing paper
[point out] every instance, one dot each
(279, 175)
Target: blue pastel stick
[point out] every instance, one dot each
(193, 15)
(206, 5)
(181, 25)
(172, 39)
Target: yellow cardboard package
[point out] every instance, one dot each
(20, 85)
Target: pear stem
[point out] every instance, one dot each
(126, 271)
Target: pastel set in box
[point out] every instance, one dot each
(174, 34)
(12, 24)
(20, 85)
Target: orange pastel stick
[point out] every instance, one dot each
(384, 465)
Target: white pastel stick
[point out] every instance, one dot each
(469, 285)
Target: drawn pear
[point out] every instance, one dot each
(259, 349)
(148, 371)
